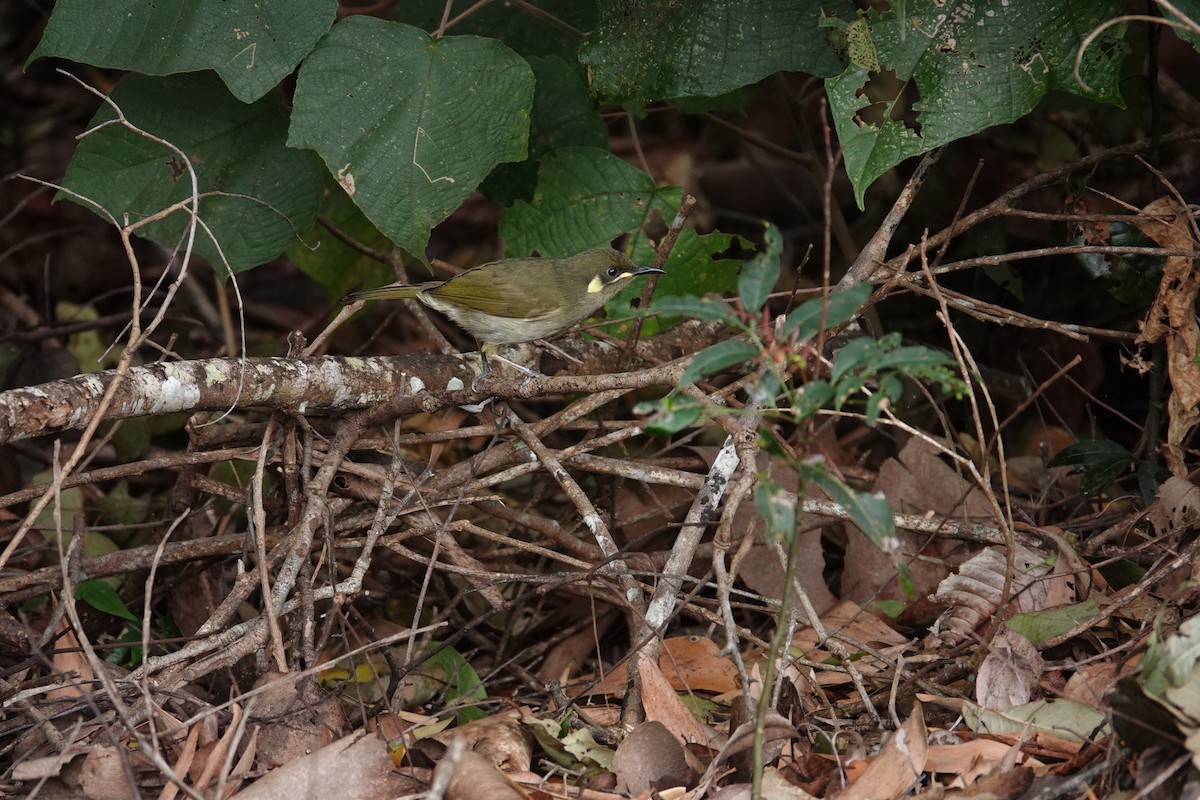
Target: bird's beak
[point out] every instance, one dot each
(649, 271)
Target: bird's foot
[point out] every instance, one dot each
(526, 371)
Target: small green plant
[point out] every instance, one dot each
(783, 347)
(793, 385)
(1103, 461)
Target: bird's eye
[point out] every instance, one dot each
(613, 272)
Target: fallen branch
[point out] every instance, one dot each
(407, 384)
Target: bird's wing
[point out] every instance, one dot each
(473, 290)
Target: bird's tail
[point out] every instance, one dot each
(394, 291)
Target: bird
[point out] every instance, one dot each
(518, 300)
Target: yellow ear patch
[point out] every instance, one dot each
(597, 283)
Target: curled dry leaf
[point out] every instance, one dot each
(474, 778)
(1172, 318)
(974, 759)
(973, 594)
(1176, 509)
(502, 739)
(104, 774)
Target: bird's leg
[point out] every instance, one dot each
(492, 350)
(487, 367)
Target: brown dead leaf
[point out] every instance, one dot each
(211, 758)
(973, 594)
(474, 778)
(1176, 509)
(739, 753)
(501, 738)
(1089, 683)
(69, 659)
(563, 660)
(1172, 318)
(762, 572)
(974, 759)
(45, 767)
(854, 624)
(761, 569)
(690, 663)
(696, 663)
(851, 619)
(1009, 673)
(183, 763)
(355, 766)
(774, 787)
(104, 775)
(663, 705)
(917, 481)
(897, 766)
(296, 717)
(651, 758)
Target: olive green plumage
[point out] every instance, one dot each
(521, 299)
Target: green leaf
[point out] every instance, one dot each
(88, 348)
(869, 150)
(529, 34)
(761, 273)
(462, 681)
(408, 124)
(846, 387)
(766, 389)
(234, 147)
(914, 358)
(875, 406)
(563, 116)
(671, 414)
(331, 262)
(1041, 626)
(693, 308)
(869, 512)
(976, 65)
(252, 44)
(811, 398)
(118, 507)
(777, 509)
(1182, 651)
(585, 197)
(719, 356)
(1063, 719)
(804, 321)
(889, 608)
(1102, 462)
(101, 596)
(691, 268)
(649, 50)
(1191, 10)
(854, 354)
